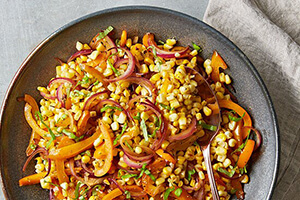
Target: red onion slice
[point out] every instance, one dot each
(47, 96)
(60, 95)
(111, 47)
(135, 164)
(61, 80)
(145, 83)
(186, 133)
(90, 100)
(38, 150)
(79, 53)
(164, 53)
(258, 137)
(129, 70)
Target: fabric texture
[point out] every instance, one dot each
(268, 32)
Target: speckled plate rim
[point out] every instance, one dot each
(167, 11)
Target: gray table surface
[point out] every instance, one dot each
(25, 23)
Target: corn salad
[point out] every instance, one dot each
(123, 119)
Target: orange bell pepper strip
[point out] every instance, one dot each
(123, 38)
(82, 122)
(74, 149)
(216, 63)
(166, 156)
(68, 103)
(184, 195)
(149, 187)
(64, 141)
(146, 37)
(60, 169)
(99, 76)
(104, 151)
(32, 179)
(113, 194)
(31, 101)
(246, 153)
(32, 123)
(240, 111)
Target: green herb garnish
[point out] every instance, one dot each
(127, 194)
(224, 171)
(96, 82)
(128, 176)
(207, 126)
(233, 191)
(117, 73)
(147, 172)
(104, 33)
(72, 135)
(39, 115)
(178, 192)
(138, 116)
(33, 146)
(190, 173)
(167, 192)
(196, 47)
(119, 136)
(242, 145)
(166, 106)
(236, 119)
(110, 107)
(196, 144)
(142, 170)
(161, 42)
(97, 187)
(77, 190)
(128, 145)
(144, 129)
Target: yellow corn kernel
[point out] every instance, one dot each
(122, 118)
(144, 69)
(85, 159)
(194, 52)
(92, 198)
(201, 175)
(86, 46)
(207, 63)
(79, 45)
(245, 179)
(115, 126)
(40, 167)
(45, 182)
(225, 119)
(221, 151)
(217, 166)
(171, 42)
(180, 183)
(108, 72)
(207, 111)
(174, 104)
(182, 121)
(145, 116)
(173, 117)
(42, 89)
(181, 160)
(221, 137)
(222, 77)
(227, 163)
(227, 79)
(138, 150)
(155, 77)
(220, 95)
(221, 158)
(94, 55)
(177, 171)
(167, 171)
(167, 47)
(98, 141)
(159, 181)
(165, 144)
(129, 42)
(232, 125)
(232, 142)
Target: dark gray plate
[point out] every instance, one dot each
(39, 67)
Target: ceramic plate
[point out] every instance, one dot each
(39, 67)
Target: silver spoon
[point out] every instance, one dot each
(206, 93)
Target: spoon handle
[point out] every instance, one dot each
(213, 186)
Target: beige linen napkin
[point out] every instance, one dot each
(268, 32)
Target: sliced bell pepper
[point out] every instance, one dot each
(166, 156)
(216, 63)
(34, 136)
(149, 187)
(94, 72)
(240, 111)
(74, 149)
(32, 123)
(32, 179)
(246, 153)
(82, 122)
(31, 101)
(104, 151)
(113, 194)
(123, 38)
(61, 174)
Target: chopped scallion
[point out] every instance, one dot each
(144, 129)
(207, 126)
(178, 192)
(236, 119)
(110, 107)
(196, 47)
(190, 173)
(147, 172)
(224, 171)
(104, 33)
(119, 136)
(167, 192)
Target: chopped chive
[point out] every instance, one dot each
(104, 33)
(224, 171)
(161, 42)
(142, 170)
(196, 143)
(167, 192)
(77, 190)
(119, 136)
(190, 173)
(207, 126)
(128, 145)
(196, 47)
(117, 73)
(33, 146)
(147, 172)
(138, 116)
(236, 119)
(166, 106)
(39, 115)
(178, 192)
(127, 194)
(144, 129)
(128, 176)
(96, 82)
(110, 107)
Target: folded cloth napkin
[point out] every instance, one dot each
(268, 32)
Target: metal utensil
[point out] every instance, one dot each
(214, 119)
